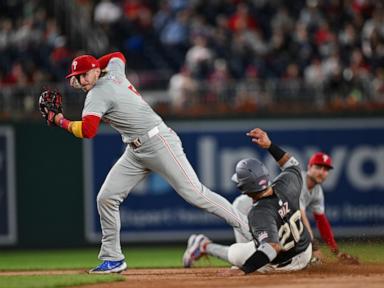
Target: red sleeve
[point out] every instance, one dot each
(104, 60)
(325, 231)
(90, 125)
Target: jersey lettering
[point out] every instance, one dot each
(284, 210)
(133, 89)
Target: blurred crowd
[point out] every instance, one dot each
(32, 47)
(225, 50)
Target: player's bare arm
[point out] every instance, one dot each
(305, 220)
(260, 137)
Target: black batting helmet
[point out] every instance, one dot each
(251, 176)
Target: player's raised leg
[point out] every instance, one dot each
(183, 179)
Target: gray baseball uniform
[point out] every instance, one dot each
(273, 219)
(269, 224)
(152, 146)
(313, 200)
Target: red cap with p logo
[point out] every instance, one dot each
(321, 159)
(83, 64)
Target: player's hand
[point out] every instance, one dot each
(57, 119)
(317, 257)
(260, 137)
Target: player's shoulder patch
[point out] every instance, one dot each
(260, 236)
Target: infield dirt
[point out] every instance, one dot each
(332, 275)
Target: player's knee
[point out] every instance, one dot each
(239, 253)
(243, 204)
(104, 199)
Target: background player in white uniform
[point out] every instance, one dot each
(312, 199)
(152, 146)
(280, 242)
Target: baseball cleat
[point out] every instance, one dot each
(109, 267)
(195, 249)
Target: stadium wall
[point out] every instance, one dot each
(46, 174)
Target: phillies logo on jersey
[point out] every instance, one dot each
(133, 89)
(74, 65)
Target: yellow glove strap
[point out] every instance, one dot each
(76, 127)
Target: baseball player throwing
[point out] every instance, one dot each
(311, 198)
(280, 242)
(151, 146)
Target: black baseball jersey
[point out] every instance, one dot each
(277, 218)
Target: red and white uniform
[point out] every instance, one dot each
(314, 201)
(152, 146)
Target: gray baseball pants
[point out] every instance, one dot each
(162, 152)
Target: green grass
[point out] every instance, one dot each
(142, 257)
(137, 257)
(367, 252)
(48, 281)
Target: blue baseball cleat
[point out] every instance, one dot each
(195, 249)
(109, 267)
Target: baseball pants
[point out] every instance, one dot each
(242, 204)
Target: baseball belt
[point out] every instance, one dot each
(140, 140)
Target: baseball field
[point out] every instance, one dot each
(161, 267)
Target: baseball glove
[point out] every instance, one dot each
(345, 258)
(50, 104)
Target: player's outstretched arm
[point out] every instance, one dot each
(326, 231)
(327, 235)
(51, 109)
(261, 138)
